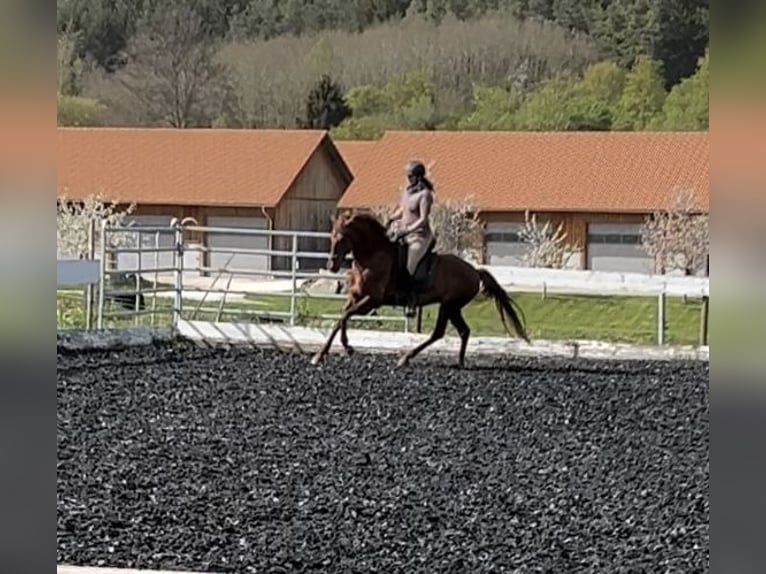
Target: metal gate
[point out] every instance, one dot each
(168, 279)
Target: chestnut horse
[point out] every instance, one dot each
(377, 266)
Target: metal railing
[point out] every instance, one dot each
(175, 269)
(158, 275)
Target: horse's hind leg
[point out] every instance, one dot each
(438, 333)
(463, 330)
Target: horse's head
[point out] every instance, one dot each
(340, 243)
(361, 233)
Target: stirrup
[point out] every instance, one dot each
(411, 303)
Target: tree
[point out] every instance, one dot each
(458, 229)
(493, 108)
(366, 128)
(411, 100)
(682, 37)
(80, 112)
(674, 32)
(562, 105)
(604, 81)
(442, 61)
(326, 106)
(69, 65)
(75, 218)
(548, 108)
(548, 248)
(321, 57)
(687, 104)
(642, 98)
(172, 76)
(406, 102)
(367, 101)
(103, 28)
(678, 238)
(574, 14)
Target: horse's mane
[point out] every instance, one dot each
(369, 220)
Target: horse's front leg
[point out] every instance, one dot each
(361, 310)
(362, 305)
(343, 335)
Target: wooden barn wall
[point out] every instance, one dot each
(308, 206)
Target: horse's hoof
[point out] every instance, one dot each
(349, 350)
(403, 362)
(316, 359)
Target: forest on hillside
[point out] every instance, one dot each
(359, 67)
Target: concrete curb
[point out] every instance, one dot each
(306, 339)
(81, 339)
(66, 569)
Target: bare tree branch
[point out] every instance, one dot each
(678, 238)
(547, 247)
(172, 75)
(74, 218)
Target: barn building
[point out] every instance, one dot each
(600, 185)
(260, 179)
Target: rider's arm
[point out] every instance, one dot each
(395, 216)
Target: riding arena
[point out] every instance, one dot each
(222, 447)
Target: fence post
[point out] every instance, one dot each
(101, 276)
(294, 287)
(661, 300)
(704, 317)
(179, 265)
(139, 270)
(89, 286)
(156, 276)
(420, 320)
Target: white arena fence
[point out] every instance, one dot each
(164, 273)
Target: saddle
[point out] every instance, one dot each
(425, 266)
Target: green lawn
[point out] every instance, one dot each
(625, 319)
(620, 319)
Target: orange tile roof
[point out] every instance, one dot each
(183, 167)
(540, 171)
(355, 152)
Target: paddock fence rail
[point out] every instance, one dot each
(158, 276)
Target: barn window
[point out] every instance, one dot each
(503, 237)
(615, 238)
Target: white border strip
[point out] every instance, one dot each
(307, 339)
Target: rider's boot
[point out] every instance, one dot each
(411, 296)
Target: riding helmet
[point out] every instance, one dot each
(416, 168)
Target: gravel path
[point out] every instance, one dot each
(252, 461)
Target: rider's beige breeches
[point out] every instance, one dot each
(417, 246)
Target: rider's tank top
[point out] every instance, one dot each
(410, 203)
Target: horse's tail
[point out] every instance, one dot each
(507, 307)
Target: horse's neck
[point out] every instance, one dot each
(364, 252)
(366, 247)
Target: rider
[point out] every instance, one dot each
(415, 211)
